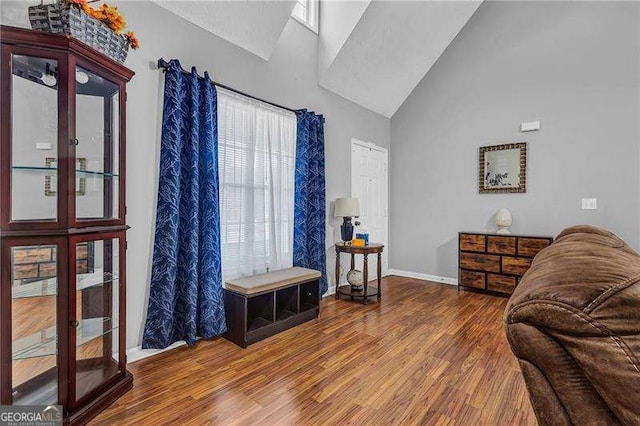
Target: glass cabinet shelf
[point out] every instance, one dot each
(53, 171)
(44, 395)
(45, 342)
(48, 287)
(88, 173)
(43, 170)
(95, 279)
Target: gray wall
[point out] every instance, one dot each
(289, 78)
(572, 65)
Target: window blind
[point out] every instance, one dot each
(256, 145)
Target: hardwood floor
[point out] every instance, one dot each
(425, 355)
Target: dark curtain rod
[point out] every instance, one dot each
(164, 65)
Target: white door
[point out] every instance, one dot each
(369, 185)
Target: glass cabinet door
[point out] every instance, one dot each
(97, 292)
(97, 147)
(35, 280)
(34, 139)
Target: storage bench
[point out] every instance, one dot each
(262, 305)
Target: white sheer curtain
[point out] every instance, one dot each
(257, 147)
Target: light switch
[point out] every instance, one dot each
(589, 204)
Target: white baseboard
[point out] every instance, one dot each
(137, 353)
(426, 277)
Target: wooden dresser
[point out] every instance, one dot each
(495, 263)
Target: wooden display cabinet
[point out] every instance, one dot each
(62, 224)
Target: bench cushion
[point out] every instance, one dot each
(271, 280)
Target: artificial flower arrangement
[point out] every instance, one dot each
(108, 15)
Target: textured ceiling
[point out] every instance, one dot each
(254, 25)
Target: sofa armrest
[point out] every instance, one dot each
(574, 320)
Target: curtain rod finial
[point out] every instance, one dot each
(162, 64)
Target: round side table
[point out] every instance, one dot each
(345, 290)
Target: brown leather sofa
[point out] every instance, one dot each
(574, 324)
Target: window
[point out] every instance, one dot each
(256, 158)
(306, 12)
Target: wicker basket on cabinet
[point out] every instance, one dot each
(62, 18)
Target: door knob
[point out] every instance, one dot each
(75, 323)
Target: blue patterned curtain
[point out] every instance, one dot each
(309, 208)
(186, 298)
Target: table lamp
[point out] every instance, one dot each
(346, 208)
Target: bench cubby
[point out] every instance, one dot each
(260, 311)
(286, 302)
(309, 296)
(263, 305)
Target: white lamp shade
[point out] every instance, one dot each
(348, 207)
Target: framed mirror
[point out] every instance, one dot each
(503, 168)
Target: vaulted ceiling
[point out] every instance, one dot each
(253, 25)
(373, 53)
(388, 51)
